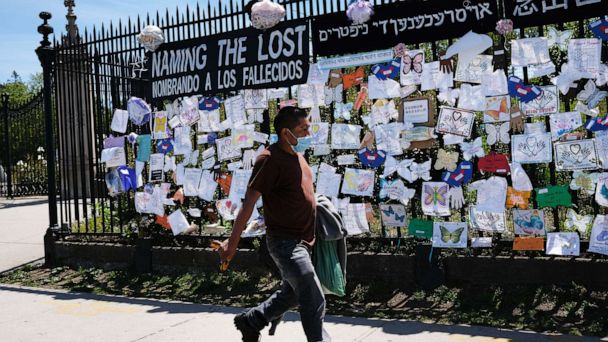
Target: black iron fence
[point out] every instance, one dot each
(97, 71)
(22, 149)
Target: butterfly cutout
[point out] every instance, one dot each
(434, 195)
(418, 171)
(451, 237)
(342, 111)
(600, 28)
(410, 63)
(333, 94)
(591, 96)
(169, 163)
(602, 76)
(383, 112)
(559, 38)
(584, 181)
(449, 96)
(255, 115)
(396, 190)
(392, 165)
(462, 175)
(472, 149)
(191, 158)
(387, 70)
(446, 160)
(498, 134)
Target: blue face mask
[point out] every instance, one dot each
(302, 145)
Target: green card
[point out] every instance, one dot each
(553, 196)
(420, 228)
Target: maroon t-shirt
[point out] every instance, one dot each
(285, 182)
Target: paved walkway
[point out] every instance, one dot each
(60, 316)
(23, 222)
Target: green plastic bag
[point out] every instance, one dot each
(328, 269)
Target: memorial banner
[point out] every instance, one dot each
(404, 22)
(244, 59)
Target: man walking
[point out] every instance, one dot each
(284, 180)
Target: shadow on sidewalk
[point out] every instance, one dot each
(23, 202)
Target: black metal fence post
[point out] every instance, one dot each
(7, 146)
(46, 55)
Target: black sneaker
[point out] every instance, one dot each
(250, 334)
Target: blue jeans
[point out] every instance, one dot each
(300, 286)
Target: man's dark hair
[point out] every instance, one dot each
(288, 117)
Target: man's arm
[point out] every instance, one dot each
(228, 247)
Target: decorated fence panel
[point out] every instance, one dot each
(421, 130)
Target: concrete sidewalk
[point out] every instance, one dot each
(23, 222)
(30, 314)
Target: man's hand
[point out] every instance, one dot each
(226, 250)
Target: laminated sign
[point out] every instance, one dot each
(244, 59)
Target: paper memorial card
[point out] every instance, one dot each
(328, 184)
(319, 133)
(226, 150)
(601, 190)
(498, 109)
(358, 182)
(113, 157)
(601, 145)
(412, 67)
(157, 166)
(355, 220)
(120, 121)
(178, 222)
(528, 243)
(584, 56)
(553, 196)
(598, 241)
(238, 186)
(528, 51)
(235, 110)
(311, 95)
(450, 235)
(207, 186)
(494, 83)
(393, 215)
(435, 198)
(531, 148)
(382, 89)
(317, 75)
(346, 159)
(159, 131)
(455, 121)
(321, 150)
(433, 78)
(545, 104)
(182, 143)
(564, 123)
(481, 242)
(242, 136)
(489, 221)
(576, 155)
(255, 98)
(209, 121)
(277, 93)
(563, 243)
(345, 136)
(529, 221)
(388, 138)
(189, 112)
(471, 97)
(474, 70)
(192, 177)
(416, 110)
(228, 208)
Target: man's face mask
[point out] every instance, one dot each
(302, 144)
